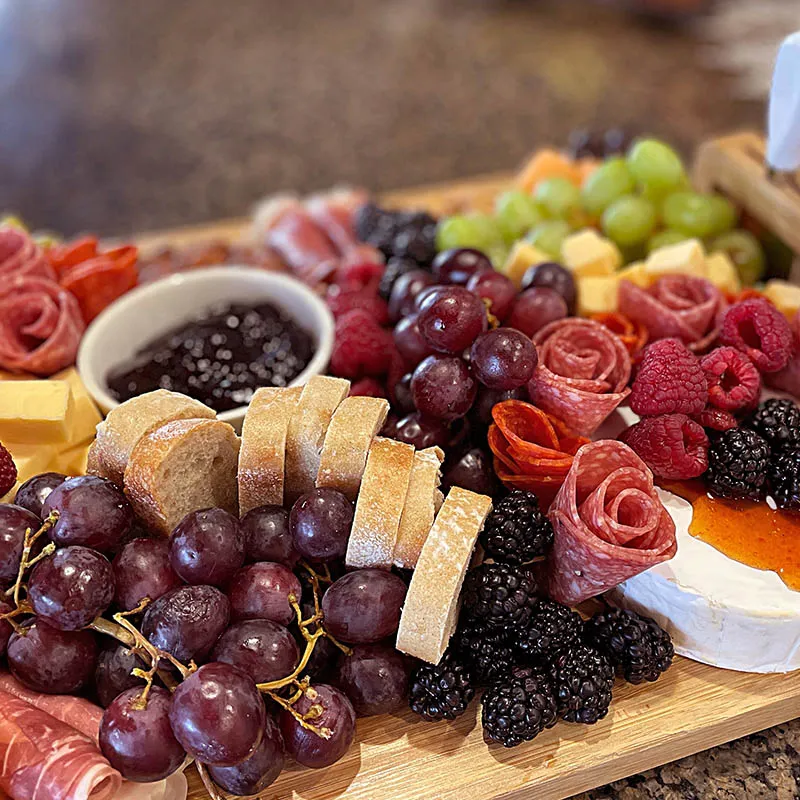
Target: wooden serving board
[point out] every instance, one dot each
(398, 757)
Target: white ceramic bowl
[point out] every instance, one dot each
(143, 314)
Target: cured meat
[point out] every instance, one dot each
(40, 326)
(609, 523)
(42, 758)
(679, 306)
(334, 212)
(632, 334)
(582, 375)
(21, 256)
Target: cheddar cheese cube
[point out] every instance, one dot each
(522, 256)
(722, 272)
(635, 273)
(785, 296)
(85, 415)
(684, 258)
(35, 412)
(586, 253)
(597, 294)
(31, 459)
(72, 461)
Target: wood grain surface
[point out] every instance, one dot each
(398, 757)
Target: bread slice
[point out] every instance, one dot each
(431, 609)
(306, 434)
(129, 421)
(263, 451)
(344, 455)
(423, 500)
(379, 508)
(185, 465)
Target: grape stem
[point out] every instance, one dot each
(26, 561)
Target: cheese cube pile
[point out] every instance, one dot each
(785, 296)
(47, 425)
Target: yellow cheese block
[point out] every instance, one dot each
(722, 272)
(522, 256)
(85, 416)
(785, 296)
(684, 258)
(73, 460)
(597, 294)
(586, 253)
(635, 273)
(31, 459)
(35, 412)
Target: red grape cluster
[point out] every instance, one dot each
(205, 644)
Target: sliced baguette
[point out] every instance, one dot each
(423, 500)
(185, 465)
(129, 421)
(306, 434)
(379, 508)
(263, 451)
(344, 455)
(431, 609)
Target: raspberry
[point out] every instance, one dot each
(670, 380)
(341, 300)
(367, 387)
(361, 347)
(358, 275)
(760, 331)
(716, 419)
(733, 380)
(8, 471)
(672, 445)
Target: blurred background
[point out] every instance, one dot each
(128, 116)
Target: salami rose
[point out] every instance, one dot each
(676, 306)
(609, 523)
(632, 334)
(21, 256)
(582, 375)
(40, 326)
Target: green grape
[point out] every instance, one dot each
(480, 231)
(723, 213)
(746, 253)
(609, 181)
(700, 215)
(558, 197)
(549, 235)
(517, 212)
(655, 165)
(629, 220)
(664, 239)
(498, 254)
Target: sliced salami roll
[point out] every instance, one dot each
(609, 523)
(21, 256)
(582, 375)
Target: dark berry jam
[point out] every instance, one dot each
(220, 358)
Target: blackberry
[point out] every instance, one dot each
(518, 709)
(406, 234)
(517, 531)
(366, 220)
(639, 648)
(500, 595)
(738, 461)
(784, 479)
(395, 267)
(582, 678)
(777, 421)
(442, 691)
(552, 627)
(488, 653)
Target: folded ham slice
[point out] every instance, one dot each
(609, 523)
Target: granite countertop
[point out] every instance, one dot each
(122, 117)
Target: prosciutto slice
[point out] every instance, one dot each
(334, 212)
(609, 523)
(20, 256)
(582, 375)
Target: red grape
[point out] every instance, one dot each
(71, 587)
(459, 265)
(409, 341)
(261, 591)
(93, 512)
(497, 289)
(218, 715)
(142, 569)
(374, 678)
(309, 748)
(320, 523)
(403, 401)
(552, 276)
(258, 770)
(535, 308)
(5, 628)
(36, 490)
(503, 359)
(186, 622)
(450, 320)
(364, 606)
(207, 547)
(263, 649)
(14, 521)
(443, 388)
(267, 536)
(139, 742)
(323, 656)
(421, 431)
(49, 660)
(488, 398)
(404, 292)
(114, 672)
(472, 471)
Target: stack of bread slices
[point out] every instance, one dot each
(172, 456)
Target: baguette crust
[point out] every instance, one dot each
(306, 434)
(129, 421)
(431, 608)
(183, 466)
(423, 500)
(355, 423)
(376, 521)
(263, 451)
